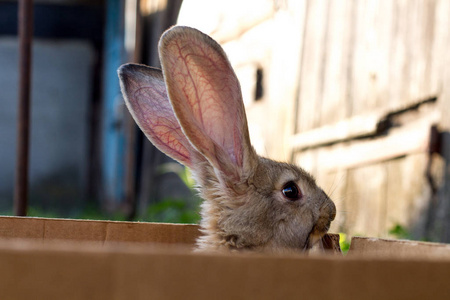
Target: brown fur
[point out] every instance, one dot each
(255, 216)
(244, 207)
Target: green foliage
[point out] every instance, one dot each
(344, 242)
(176, 210)
(89, 213)
(38, 212)
(182, 172)
(173, 211)
(399, 232)
(186, 177)
(92, 212)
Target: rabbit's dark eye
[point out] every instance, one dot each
(291, 191)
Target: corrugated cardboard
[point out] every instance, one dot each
(399, 248)
(97, 231)
(58, 259)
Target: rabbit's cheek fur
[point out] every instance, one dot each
(257, 216)
(297, 221)
(234, 228)
(294, 221)
(248, 226)
(292, 233)
(229, 218)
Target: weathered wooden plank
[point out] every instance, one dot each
(413, 41)
(358, 126)
(365, 202)
(407, 194)
(312, 63)
(419, 48)
(440, 44)
(379, 60)
(307, 160)
(223, 21)
(287, 47)
(408, 140)
(335, 80)
(399, 59)
(370, 61)
(359, 89)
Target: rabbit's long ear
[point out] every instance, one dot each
(206, 97)
(145, 95)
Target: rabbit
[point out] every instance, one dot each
(192, 110)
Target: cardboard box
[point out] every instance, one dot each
(71, 259)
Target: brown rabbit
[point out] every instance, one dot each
(193, 111)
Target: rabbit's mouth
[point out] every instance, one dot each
(327, 214)
(314, 238)
(325, 243)
(318, 232)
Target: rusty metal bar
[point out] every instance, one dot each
(25, 30)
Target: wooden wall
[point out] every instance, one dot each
(370, 80)
(355, 92)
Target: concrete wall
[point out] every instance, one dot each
(61, 92)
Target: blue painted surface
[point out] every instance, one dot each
(113, 145)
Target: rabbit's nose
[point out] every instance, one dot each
(327, 214)
(332, 210)
(328, 209)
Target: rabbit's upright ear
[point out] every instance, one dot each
(206, 97)
(145, 95)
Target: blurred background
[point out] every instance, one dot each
(355, 92)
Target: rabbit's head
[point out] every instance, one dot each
(193, 111)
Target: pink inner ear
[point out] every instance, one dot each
(206, 97)
(160, 125)
(146, 97)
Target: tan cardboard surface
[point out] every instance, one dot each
(398, 248)
(97, 231)
(30, 270)
(80, 268)
(47, 229)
